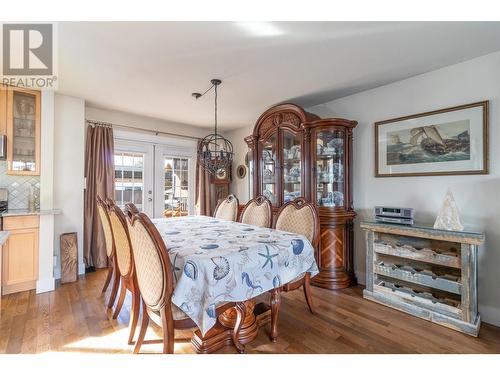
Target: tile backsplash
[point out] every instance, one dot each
(19, 188)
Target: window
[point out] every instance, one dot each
(176, 189)
(129, 187)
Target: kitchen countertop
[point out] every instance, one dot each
(3, 236)
(28, 212)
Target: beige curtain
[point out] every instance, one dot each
(203, 195)
(100, 177)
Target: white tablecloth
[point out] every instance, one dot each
(218, 261)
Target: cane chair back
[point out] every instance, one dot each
(227, 209)
(301, 218)
(258, 212)
(102, 209)
(123, 248)
(153, 269)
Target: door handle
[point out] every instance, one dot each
(150, 199)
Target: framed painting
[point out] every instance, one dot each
(451, 141)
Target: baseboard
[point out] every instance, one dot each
(19, 287)
(361, 277)
(47, 284)
(490, 314)
(57, 273)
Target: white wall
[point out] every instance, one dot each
(69, 164)
(46, 280)
(128, 119)
(240, 187)
(477, 196)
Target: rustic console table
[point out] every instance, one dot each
(428, 273)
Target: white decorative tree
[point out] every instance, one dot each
(449, 217)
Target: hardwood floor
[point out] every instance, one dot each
(74, 319)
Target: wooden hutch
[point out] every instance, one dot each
(295, 153)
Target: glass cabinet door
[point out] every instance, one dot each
(269, 170)
(23, 131)
(292, 173)
(330, 181)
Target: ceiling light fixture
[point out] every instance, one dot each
(214, 151)
(260, 28)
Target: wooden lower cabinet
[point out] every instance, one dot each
(335, 251)
(20, 254)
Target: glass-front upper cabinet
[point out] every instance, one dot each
(330, 168)
(292, 171)
(23, 131)
(269, 169)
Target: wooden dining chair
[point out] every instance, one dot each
(103, 211)
(156, 285)
(125, 265)
(258, 212)
(227, 209)
(301, 218)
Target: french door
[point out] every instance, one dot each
(174, 181)
(158, 178)
(134, 175)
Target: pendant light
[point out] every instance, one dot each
(215, 152)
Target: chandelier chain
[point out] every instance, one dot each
(215, 152)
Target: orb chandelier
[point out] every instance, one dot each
(214, 151)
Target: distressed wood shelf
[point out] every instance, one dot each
(420, 278)
(425, 272)
(423, 254)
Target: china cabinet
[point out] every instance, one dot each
(297, 154)
(23, 131)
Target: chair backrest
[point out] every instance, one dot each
(123, 246)
(258, 212)
(102, 209)
(152, 264)
(227, 209)
(299, 217)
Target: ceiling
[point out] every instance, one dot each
(151, 68)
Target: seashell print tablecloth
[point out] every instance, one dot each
(216, 261)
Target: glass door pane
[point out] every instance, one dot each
(330, 168)
(129, 186)
(292, 173)
(24, 132)
(269, 169)
(176, 188)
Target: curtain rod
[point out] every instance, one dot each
(156, 132)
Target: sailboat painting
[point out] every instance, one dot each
(449, 141)
(430, 143)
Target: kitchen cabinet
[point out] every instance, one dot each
(22, 126)
(20, 254)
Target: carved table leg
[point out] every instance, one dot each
(222, 333)
(275, 308)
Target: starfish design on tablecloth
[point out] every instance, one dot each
(269, 257)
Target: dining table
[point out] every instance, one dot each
(215, 261)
